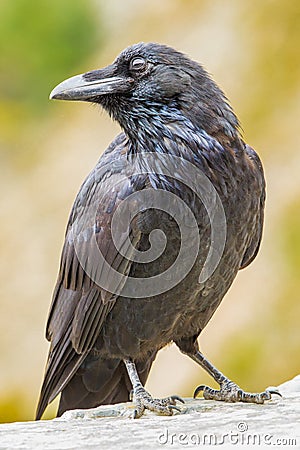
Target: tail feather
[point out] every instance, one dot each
(85, 381)
(64, 358)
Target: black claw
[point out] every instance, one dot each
(199, 389)
(274, 392)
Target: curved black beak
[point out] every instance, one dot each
(92, 84)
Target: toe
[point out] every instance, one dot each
(171, 400)
(174, 408)
(176, 398)
(230, 392)
(159, 408)
(139, 410)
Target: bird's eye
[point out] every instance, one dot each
(138, 63)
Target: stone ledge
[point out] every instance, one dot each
(273, 425)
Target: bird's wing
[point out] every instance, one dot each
(80, 303)
(259, 186)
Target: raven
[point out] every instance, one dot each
(158, 231)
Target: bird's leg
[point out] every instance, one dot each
(143, 400)
(229, 391)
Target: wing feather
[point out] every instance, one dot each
(255, 238)
(80, 305)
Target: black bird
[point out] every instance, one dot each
(109, 319)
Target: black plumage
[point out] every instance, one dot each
(101, 339)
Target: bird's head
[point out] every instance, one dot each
(147, 79)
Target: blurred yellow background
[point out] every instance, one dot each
(252, 48)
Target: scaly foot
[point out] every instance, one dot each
(231, 392)
(164, 406)
(143, 400)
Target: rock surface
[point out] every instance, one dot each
(201, 423)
